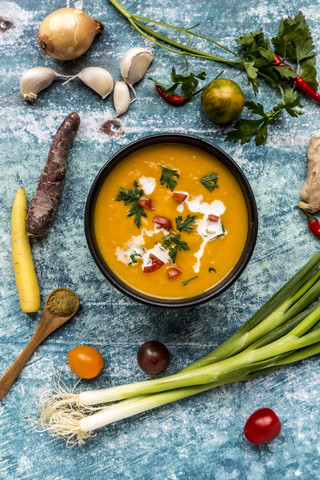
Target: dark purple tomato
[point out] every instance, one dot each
(153, 357)
(262, 426)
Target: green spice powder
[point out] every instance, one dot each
(62, 302)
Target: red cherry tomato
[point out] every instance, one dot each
(84, 361)
(262, 426)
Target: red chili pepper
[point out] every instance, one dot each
(301, 84)
(173, 99)
(313, 224)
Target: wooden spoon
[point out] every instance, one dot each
(49, 322)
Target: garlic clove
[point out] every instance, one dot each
(121, 98)
(34, 80)
(97, 78)
(134, 64)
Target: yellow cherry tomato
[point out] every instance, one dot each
(84, 361)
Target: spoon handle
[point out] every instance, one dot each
(12, 373)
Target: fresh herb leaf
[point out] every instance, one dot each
(309, 73)
(168, 177)
(185, 225)
(167, 241)
(133, 258)
(285, 71)
(173, 253)
(251, 42)
(131, 197)
(210, 181)
(294, 43)
(187, 82)
(252, 74)
(246, 129)
(179, 244)
(223, 231)
(212, 269)
(187, 281)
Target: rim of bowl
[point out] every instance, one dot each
(247, 192)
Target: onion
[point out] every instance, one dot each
(67, 33)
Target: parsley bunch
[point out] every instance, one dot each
(294, 44)
(257, 58)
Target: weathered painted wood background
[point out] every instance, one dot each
(199, 438)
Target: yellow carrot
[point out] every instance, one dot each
(26, 280)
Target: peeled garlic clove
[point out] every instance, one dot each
(134, 64)
(35, 80)
(121, 98)
(97, 78)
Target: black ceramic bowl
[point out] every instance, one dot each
(247, 193)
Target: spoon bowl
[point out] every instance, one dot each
(49, 322)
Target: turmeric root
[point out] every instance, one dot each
(47, 196)
(310, 192)
(26, 280)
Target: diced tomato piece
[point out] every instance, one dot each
(156, 259)
(151, 268)
(213, 218)
(173, 271)
(146, 203)
(163, 222)
(156, 264)
(179, 197)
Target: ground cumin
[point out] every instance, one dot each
(62, 302)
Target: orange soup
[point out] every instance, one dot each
(171, 221)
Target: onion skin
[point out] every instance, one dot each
(67, 33)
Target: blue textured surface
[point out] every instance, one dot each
(198, 438)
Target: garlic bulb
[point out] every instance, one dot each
(97, 78)
(134, 64)
(121, 98)
(35, 80)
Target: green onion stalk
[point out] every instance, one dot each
(285, 330)
(180, 48)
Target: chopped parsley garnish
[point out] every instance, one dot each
(187, 281)
(168, 177)
(210, 181)
(185, 225)
(169, 240)
(173, 253)
(133, 258)
(223, 231)
(131, 197)
(212, 269)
